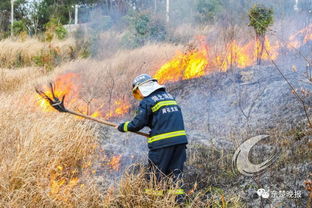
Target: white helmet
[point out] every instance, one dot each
(146, 84)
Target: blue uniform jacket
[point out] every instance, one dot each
(160, 112)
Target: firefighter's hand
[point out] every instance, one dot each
(120, 127)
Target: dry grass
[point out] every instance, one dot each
(42, 155)
(46, 157)
(130, 193)
(11, 80)
(107, 44)
(110, 79)
(49, 159)
(33, 52)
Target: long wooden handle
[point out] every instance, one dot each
(102, 121)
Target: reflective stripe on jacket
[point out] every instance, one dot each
(161, 113)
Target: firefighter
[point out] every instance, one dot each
(159, 111)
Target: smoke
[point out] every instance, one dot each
(110, 27)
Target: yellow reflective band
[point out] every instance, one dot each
(125, 127)
(166, 136)
(163, 103)
(176, 191)
(154, 192)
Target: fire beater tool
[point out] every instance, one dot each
(58, 104)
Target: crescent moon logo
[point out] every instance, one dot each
(241, 160)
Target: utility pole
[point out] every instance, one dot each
(76, 14)
(167, 10)
(12, 16)
(296, 6)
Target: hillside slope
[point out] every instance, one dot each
(223, 109)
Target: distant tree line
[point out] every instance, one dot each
(32, 16)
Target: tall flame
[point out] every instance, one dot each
(183, 66)
(194, 63)
(69, 84)
(64, 85)
(198, 62)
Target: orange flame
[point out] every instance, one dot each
(120, 107)
(64, 85)
(194, 63)
(115, 162)
(190, 64)
(301, 37)
(69, 84)
(236, 55)
(60, 184)
(183, 66)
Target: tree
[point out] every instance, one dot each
(41, 12)
(260, 18)
(20, 13)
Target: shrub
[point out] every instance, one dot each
(158, 31)
(141, 24)
(207, 10)
(55, 29)
(19, 27)
(260, 19)
(142, 27)
(83, 45)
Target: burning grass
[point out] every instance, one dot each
(47, 159)
(50, 159)
(43, 158)
(103, 88)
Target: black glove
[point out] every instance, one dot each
(121, 127)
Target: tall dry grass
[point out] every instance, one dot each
(105, 81)
(33, 52)
(10, 80)
(50, 159)
(44, 156)
(130, 192)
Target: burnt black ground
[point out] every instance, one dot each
(223, 109)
